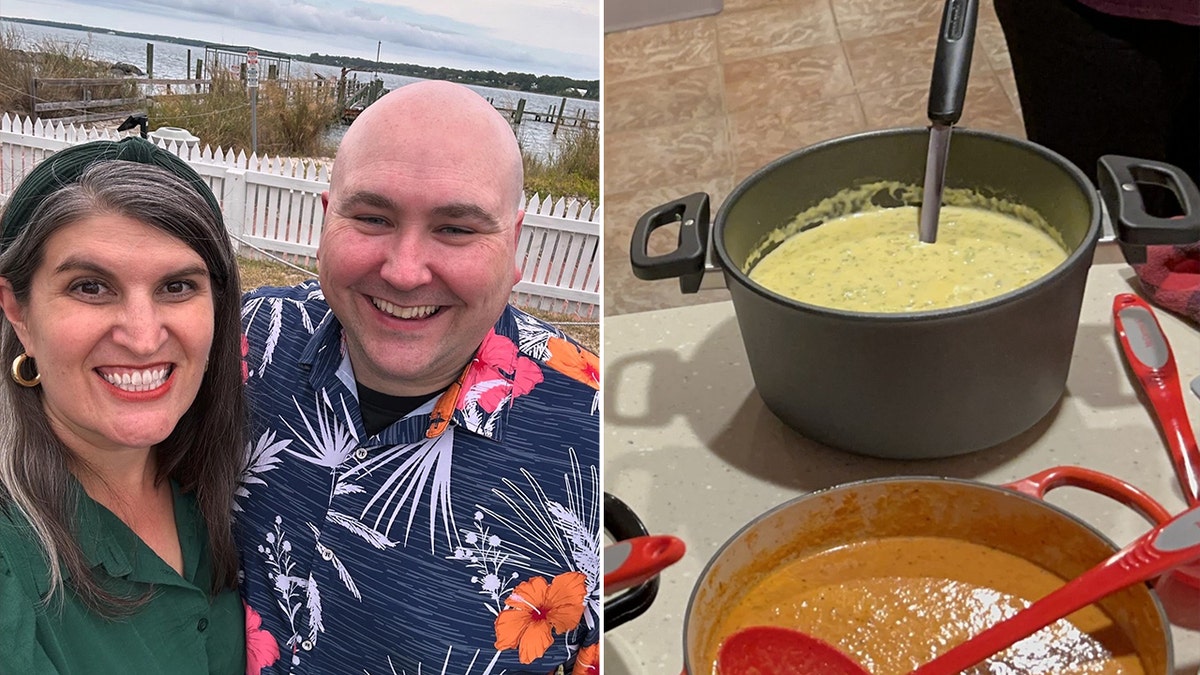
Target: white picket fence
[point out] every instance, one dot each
(273, 205)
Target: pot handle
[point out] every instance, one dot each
(622, 523)
(1134, 226)
(952, 61)
(1042, 482)
(688, 260)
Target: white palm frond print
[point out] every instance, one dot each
(275, 330)
(328, 554)
(557, 534)
(260, 458)
(275, 306)
(445, 669)
(583, 542)
(475, 417)
(419, 469)
(478, 420)
(329, 443)
(533, 336)
(313, 602)
(373, 537)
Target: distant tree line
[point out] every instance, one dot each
(552, 85)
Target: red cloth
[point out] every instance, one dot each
(1171, 278)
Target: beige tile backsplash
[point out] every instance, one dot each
(698, 105)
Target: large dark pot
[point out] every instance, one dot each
(1012, 518)
(917, 385)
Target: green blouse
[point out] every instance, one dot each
(182, 629)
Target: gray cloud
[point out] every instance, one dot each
(478, 31)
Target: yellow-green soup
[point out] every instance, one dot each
(874, 262)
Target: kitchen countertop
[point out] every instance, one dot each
(690, 446)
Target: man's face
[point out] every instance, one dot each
(416, 259)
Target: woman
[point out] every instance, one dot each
(121, 421)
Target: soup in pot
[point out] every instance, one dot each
(873, 261)
(895, 603)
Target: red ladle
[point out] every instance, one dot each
(762, 650)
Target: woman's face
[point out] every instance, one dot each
(120, 322)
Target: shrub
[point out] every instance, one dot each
(573, 169)
(291, 117)
(22, 60)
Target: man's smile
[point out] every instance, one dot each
(402, 312)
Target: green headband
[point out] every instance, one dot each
(66, 166)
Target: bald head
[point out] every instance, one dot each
(436, 116)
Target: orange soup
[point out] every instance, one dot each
(896, 603)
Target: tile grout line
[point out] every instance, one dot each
(730, 140)
(862, 109)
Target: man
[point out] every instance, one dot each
(422, 486)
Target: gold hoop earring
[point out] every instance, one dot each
(21, 379)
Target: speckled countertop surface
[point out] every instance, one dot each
(691, 448)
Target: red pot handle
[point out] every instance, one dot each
(1042, 482)
(633, 562)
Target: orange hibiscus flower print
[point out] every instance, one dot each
(588, 661)
(574, 362)
(536, 610)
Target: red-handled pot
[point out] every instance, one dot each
(632, 563)
(1012, 518)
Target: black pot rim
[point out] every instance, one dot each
(941, 480)
(735, 273)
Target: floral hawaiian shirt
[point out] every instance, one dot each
(464, 538)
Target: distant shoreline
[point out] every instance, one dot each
(550, 85)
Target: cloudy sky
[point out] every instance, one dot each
(546, 37)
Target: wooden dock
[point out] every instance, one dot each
(356, 102)
(554, 115)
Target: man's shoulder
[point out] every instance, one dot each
(532, 334)
(279, 321)
(308, 291)
(275, 308)
(552, 349)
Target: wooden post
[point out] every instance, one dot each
(272, 71)
(519, 112)
(199, 73)
(558, 119)
(150, 60)
(33, 98)
(187, 63)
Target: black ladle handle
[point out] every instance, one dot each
(952, 62)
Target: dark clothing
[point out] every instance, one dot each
(1180, 11)
(1092, 84)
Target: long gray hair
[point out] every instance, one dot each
(204, 453)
